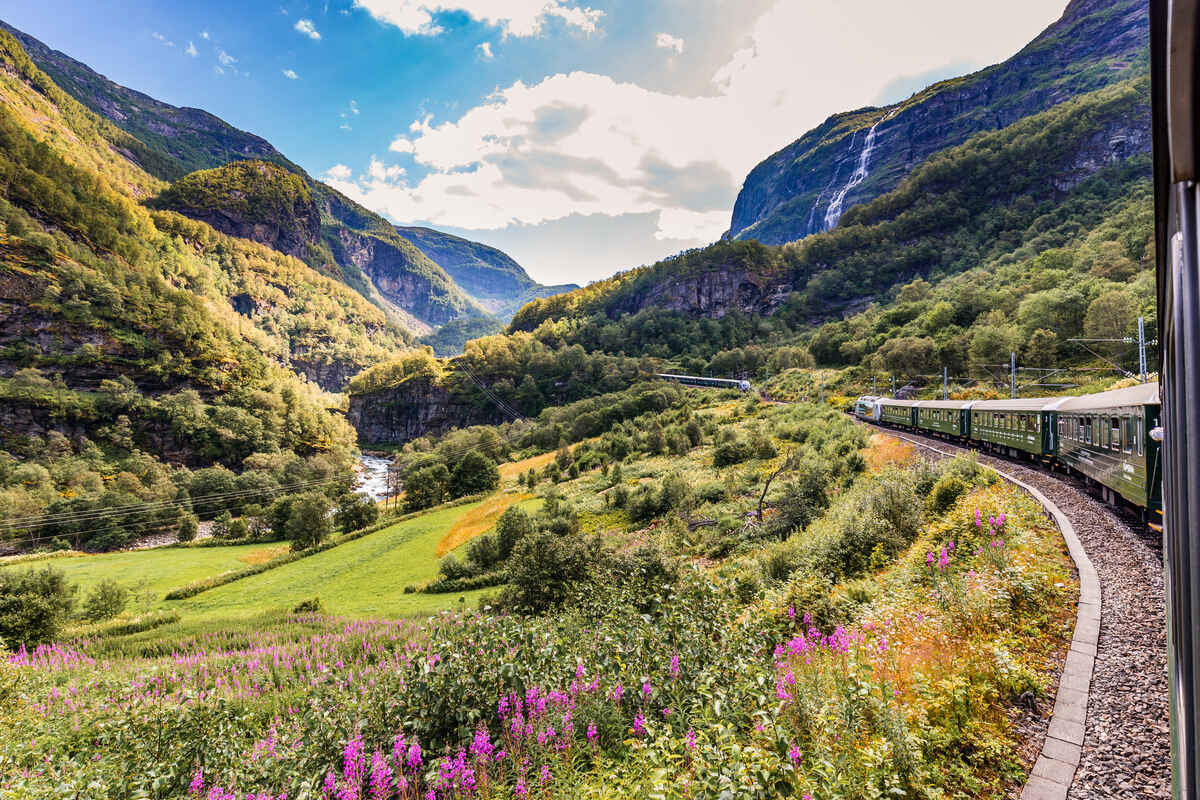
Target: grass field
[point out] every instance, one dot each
(159, 570)
(362, 578)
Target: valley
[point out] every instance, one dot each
(305, 499)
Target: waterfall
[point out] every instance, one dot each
(834, 212)
(811, 226)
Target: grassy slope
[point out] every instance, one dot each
(363, 578)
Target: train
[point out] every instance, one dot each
(710, 383)
(1111, 440)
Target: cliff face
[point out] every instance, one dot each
(799, 190)
(710, 294)
(413, 409)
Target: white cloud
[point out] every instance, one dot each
(512, 17)
(204, 34)
(225, 59)
(159, 37)
(669, 42)
(306, 27)
(191, 50)
(485, 50)
(586, 144)
(378, 171)
(354, 107)
(338, 172)
(291, 75)
(345, 126)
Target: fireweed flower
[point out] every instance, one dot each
(794, 755)
(690, 740)
(330, 785)
(545, 774)
(674, 665)
(414, 754)
(639, 724)
(520, 790)
(618, 693)
(381, 777)
(646, 690)
(592, 734)
(197, 785)
(978, 518)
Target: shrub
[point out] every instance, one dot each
(186, 527)
(513, 526)
(355, 511)
(33, 605)
(544, 570)
(732, 452)
(426, 487)
(312, 605)
(106, 600)
(945, 493)
(308, 520)
(474, 474)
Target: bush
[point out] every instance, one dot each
(106, 600)
(308, 520)
(33, 605)
(945, 493)
(355, 511)
(732, 452)
(187, 527)
(310, 606)
(426, 487)
(513, 526)
(544, 570)
(474, 474)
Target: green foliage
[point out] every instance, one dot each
(34, 605)
(545, 569)
(426, 487)
(105, 600)
(308, 522)
(475, 473)
(945, 493)
(355, 511)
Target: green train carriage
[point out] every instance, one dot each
(1016, 427)
(1107, 437)
(949, 417)
(898, 412)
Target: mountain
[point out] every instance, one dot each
(241, 185)
(1006, 193)
(191, 138)
(489, 275)
(857, 156)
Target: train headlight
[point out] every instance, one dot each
(1156, 434)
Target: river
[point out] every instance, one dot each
(372, 480)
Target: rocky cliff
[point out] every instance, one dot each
(414, 408)
(804, 188)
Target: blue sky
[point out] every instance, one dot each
(581, 137)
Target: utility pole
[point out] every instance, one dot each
(874, 388)
(945, 383)
(1142, 347)
(1012, 357)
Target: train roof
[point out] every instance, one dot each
(959, 404)
(1018, 404)
(891, 401)
(1144, 394)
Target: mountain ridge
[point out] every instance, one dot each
(788, 195)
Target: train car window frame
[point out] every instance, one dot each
(1130, 433)
(1114, 427)
(1141, 435)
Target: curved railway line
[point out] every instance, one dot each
(1126, 743)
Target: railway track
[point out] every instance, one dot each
(1126, 750)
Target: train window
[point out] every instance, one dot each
(1141, 436)
(1114, 433)
(1130, 432)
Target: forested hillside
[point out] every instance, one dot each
(206, 158)
(137, 343)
